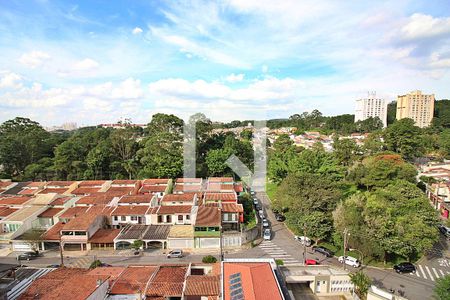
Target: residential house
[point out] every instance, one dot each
(179, 199)
(129, 214)
(173, 214)
(207, 227)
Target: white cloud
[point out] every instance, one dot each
(34, 59)
(10, 80)
(234, 77)
(86, 64)
(137, 31)
(420, 26)
(128, 89)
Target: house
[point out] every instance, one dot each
(179, 199)
(232, 216)
(6, 185)
(103, 239)
(211, 197)
(168, 282)
(129, 214)
(95, 199)
(173, 214)
(207, 227)
(132, 282)
(180, 237)
(32, 188)
(138, 200)
(158, 187)
(88, 187)
(153, 236)
(188, 185)
(250, 279)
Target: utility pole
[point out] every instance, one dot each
(61, 251)
(345, 246)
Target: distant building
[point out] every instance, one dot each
(371, 107)
(66, 126)
(416, 106)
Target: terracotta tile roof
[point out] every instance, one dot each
(208, 216)
(238, 188)
(220, 197)
(220, 179)
(153, 189)
(50, 212)
(232, 207)
(104, 236)
(136, 199)
(73, 211)
(168, 282)
(84, 220)
(28, 191)
(124, 182)
(97, 199)
(85, 190)
(60, 183)
(92, 183)
(60, 201)
(36, 184)
(133, 280)
(130, 210)
(53, 190)
(6, 211)
(63, 283)
(188, 188)
(5, 184)
(54, 233)
(257, 280)
(122, 189)
(112, 272)
(156, 232)
(214, 186)
(178, 197)
(153, 181)
(174, 209)
(197, 285)
(20, 200)
(188, 180)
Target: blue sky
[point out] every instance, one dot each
(93, 62)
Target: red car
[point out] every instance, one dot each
(311, 262)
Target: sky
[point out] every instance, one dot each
(93, 62)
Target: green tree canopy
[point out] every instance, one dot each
(405, 138)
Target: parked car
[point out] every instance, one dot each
(280, 217)
(267, 234)
(311, 262)
(405, 267)
(265, 223)
(258, 207)
(252, 193)
(322, 250)
(351, 261)
(304, 240)
(28, 256)
(261, 214)
(255, 201)
(444, 230)
(175, 254)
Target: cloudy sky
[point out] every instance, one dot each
(93, 62)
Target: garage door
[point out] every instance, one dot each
(21, 247)
(209, 242)
(180, 243)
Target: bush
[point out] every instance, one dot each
(209, 259)
(279, 262)
(95, 264)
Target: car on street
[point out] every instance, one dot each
(349, 260)
(322, 250)
(28, 255)
(405, 267)
(177, 253)
(304, 240)
(261, 213)
(311, 262)
(265, 223)
(252, 193)
(445, 230)
(258, 206)
(255, 201)
(267, 234)
(280, 217)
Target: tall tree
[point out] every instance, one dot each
(124, 143)
(405, 138)
(345, 150)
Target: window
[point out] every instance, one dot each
(134, 218)
(80, 233)
(116, 218)
(225, 217)
(188, 217)
(123, 218)
(180, 218)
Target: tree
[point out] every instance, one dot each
(95, 264)
(216, 162)
(362, 283)
(209, 259)
(442, 288)
(284, 151)
(124, 143)
(444, 143)
(373, 144)
(22, 142)
(405, 138)
(161, 155)
(369, 125)
(137, 244)
(345, 150)
(391, 112)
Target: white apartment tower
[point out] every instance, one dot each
(371, 107)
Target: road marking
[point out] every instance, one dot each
(429, 273)
(442, 272)
(435, 272)
(417, 273)
(423, 273)
(281, 255)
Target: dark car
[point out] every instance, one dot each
(444, 230)
(28, 256)
(405, 267)
(323, 250)
(280, 217)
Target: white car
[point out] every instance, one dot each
(261, 214)
(255, 201)
(178, 253)
(267, 234)
(304, 240)
(351, 261)
(265, 223)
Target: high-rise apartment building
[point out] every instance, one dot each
(416, 106)
(371, 107)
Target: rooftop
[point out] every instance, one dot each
(220, 197)
(174, 209)
(208, 216)
(14, 200)
(178, 198)
(202, 285)
(169, 281)
(50, 212)
(133, 280)
(105, 236)
(135, 199)
(181, 231)
(130, 210)
(154, 181)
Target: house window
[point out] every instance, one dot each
(233, 217)
(180, 218)
(160, 219)
(169, 219)
(225, 217)
(116, 218)
(134, 218)
(188, 217)
(123, 218)
(80, 233)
